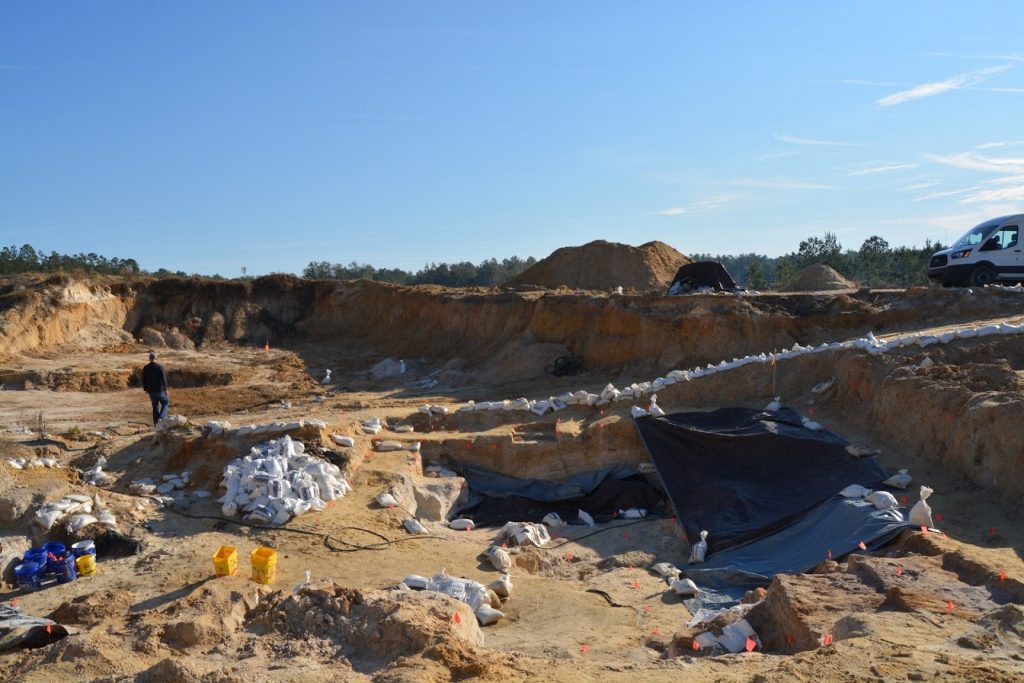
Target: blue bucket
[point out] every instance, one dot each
(58, 549)
(35, 555)
(66, 569)
(86, 547)
(28, 575)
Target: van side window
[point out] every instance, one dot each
(1007, 236)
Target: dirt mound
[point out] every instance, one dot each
(606, 265)
(372, 629)
(819, 278)
(92, 608)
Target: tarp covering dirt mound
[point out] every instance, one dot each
(819, 278)
(742, 474)
(702, 275)
(606, 265)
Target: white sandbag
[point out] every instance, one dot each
(882, 500)
(413, 526)
(900, 480)
(734, 636)
(461, 524)
(386, 500)
(229, 509)
(384, 446)
(499, 558)
(585, 518)
(633, 513)
(526, 533)
(345, 441)
(775, 405)
(403, 429)
(106, 518)
(46, 518)
(470, 592)
(700, 549)
(502, 587)
(637, 411)
(665, 570)
(553, 520)
(165, 488)
(855, 491)
(921, 513)
(327, 489)
(79, 521)
(487, 615)
(654, 409)
(416, 581)
(685, 587)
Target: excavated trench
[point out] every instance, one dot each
(960, 412)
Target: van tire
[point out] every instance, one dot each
(983, 275)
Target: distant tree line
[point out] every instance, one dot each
(463, 274)
(28, 260)
(875, 264)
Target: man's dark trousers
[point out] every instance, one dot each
(160, 403)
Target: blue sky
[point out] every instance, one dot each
(211, 136)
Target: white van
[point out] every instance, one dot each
(986, 253)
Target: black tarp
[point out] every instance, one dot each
(496, 499)
(699, 274)
(833, 529)
(743, 474)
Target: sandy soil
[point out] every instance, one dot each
(161, 615)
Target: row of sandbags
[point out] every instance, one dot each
(75, 510)
(869, 343)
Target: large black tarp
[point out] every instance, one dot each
(743, 474)
(496, 499)
(702, 274)
(833, 529)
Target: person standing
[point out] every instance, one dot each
(154, 383)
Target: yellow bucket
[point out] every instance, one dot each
(86, 564)
(264, 565)
(225, 562)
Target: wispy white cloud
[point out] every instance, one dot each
(956, 82)
(943, 195)
(992, 89)
(917, 187)
(708, 204)
(877, 167)
(977, 162)
(813, 141)
(781, 184)
(954, 223)
(1010, 193)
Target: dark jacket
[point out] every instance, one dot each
(154, 379)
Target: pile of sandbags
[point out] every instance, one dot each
(76, 510)
(483, 600)
(278, 480)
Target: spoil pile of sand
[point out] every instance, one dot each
(818, 278)
(606, 265)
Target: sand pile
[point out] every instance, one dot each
(606, 265)
(818, 278)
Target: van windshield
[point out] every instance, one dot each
(974, 237)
